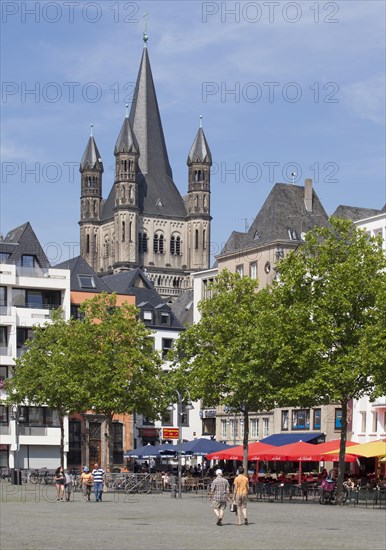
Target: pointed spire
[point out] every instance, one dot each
(126, 142)
(91, 158)
(199, 151)
(146, 123)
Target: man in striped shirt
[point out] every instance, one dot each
(99, 478)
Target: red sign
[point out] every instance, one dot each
(170, 433)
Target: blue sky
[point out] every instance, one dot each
(283, 87)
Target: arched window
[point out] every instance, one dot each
(87, 244)
(204, 239)
(106, 247)
(158, 243)
(142, 242)
(175, 245)
(196, 239)
(123, 232)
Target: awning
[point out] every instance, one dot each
(285, 439)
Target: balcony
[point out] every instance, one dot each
(31, 272)
(6, 351)
(32, 430)
(5, 430)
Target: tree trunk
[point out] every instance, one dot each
(61, 423)
(245, 440)
(342, 450)
(109, 441)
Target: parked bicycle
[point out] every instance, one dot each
(138, 483)
(41, 476)
(329, 491)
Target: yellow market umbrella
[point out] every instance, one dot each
(370, 449)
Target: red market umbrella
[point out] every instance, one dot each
(255, 450)
(333, 445)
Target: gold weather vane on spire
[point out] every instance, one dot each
(200, 121)
(145, 35)
(91, 127)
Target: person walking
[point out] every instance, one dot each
(68, 481)
(86, 482)
(99, 478)
(59, 483)
(219, 495)
(240, 495)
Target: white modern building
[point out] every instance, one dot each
(29, 290)
(369, 419)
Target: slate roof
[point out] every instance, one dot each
(283, 212)
(136, 283)
(182, 307)
(79, 266)
(23, 240)
(91, 157)
(355, 213)
(126, 141)
(200, 149)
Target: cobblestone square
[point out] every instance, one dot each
(31, 518)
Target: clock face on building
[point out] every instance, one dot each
(267, 267)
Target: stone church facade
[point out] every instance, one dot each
(145, 222)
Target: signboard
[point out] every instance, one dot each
(170, 433)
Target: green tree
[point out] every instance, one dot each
(50, 372)
(331, 291)
(124, 373)
(224, 358)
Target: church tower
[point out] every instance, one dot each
(144, 221)
(91, 169)
(126, 207)
(199, 218)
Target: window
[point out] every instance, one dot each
(224, 429)
(123, 232)
(3, 375)
(234, 428)
(86, 281)
(204, 239)
(254, 428)
(240, 270)
(265, 427)
(36, 416)
(253, 270)
(39, 416)
(158, 243)
(117, 443)
(208, 426)
(363, 420)
(301, 420)
(147, 316)
(142, 242)
(27, 260)
(165, 319)
(3, 414)
(338, 419)
(375, 421)
(196, 239)
(3, 337)
(4, 257)
(175, 245)
(292, 234)
(22, 335)
(87, 244)
(284, 420)
(167, 344)
(167, 419)
(317, 419)
(51, 417)
(74, 442)
(184, 415)
(3, 296)
(207, 291)
(40, 299)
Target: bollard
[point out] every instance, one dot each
(16, 477)
(173, 485)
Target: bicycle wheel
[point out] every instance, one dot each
(34, 478)
(144, 487)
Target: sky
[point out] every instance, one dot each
(283, 87)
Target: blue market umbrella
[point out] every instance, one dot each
(147, 451)
(202, 447)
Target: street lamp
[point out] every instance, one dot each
(180, 411)
(16, 416)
